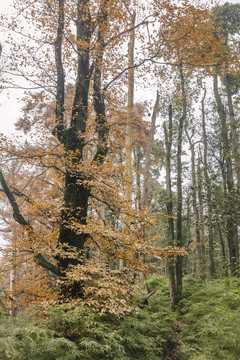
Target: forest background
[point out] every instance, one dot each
(91, 218)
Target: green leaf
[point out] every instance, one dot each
(33, 336)
(3, 305)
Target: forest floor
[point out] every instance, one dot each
(204, 327)
(210, 318)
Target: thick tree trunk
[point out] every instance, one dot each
(77, 192)
(76, 195)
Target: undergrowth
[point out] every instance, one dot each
(210, 318)
(206, 328)
(80, 333)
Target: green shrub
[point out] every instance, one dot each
(80, 333)
(18, 342)
(207, 328)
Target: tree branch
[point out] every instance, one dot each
(58, 130)
(38, 258)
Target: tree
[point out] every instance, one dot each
(208, 187)
(81, 157)
(80, 110)
(168, 146)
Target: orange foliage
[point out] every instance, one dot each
(185, 36)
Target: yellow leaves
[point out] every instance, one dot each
(112, 231)
(188, 35)
(30, 285)
(104, 289)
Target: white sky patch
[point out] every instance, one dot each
(9, 105)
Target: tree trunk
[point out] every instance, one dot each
(168, 147)
(222, 243)
(233, 128)
(179, 237)
(230, 207)
(130, 108)
(143, 201)
(148, 153)
(201, 220)
(130, 116)
(137, 161)
(77, 193)
(195, 206)
(208, 190)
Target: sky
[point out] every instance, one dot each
(9, 105)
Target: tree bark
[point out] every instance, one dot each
(230, 207)
(179, 236)
(168, 147)
(130, 107)
(148, 153)
(60, 90)
(130, 116)
(201, 220)
(208, 189)
(77, 192)
(195, 205)
(233, 127)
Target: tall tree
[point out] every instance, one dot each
(89, 168)
(179, 235)
(231, 220)
(208, 187)
(168, 147)
(194, 200)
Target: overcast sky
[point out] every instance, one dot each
(9, 107)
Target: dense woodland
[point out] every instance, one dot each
(120, 217)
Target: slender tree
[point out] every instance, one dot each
(208, 187)
(168, 147)
(230, 206)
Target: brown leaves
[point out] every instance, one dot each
(105, 289)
